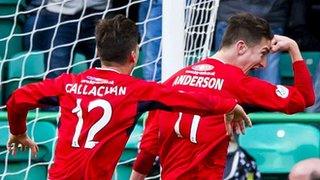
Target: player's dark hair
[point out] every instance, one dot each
(314, 175)
(246, 27)
(116, 38)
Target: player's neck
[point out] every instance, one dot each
(224, 56)
(117, 68)
(227, 56)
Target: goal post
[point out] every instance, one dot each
(172, 37)
(187, 33)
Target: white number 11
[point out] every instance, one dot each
(102, 122)
(193, 130)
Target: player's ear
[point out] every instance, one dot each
(241, 47)
(134, 56)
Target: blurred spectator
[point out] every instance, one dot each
(306, 32)
(308, 169)
(274, 11)
(301, 26)
(150, 26)
(240, 165)
(76, 20)
(33, 6)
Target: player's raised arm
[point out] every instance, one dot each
(302, 77)
(287, 99)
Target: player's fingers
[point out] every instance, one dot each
(9, 145)
(25, 147)
(237, 128)
(20, 146)
(34, 150)
(229, 117)
(229, 129)
(14, 149)
(242, 127)
(275, 48)
(241, 114)
(225, 123)
(33, 146)
(228, 126)
(37, 148)
(247, 120)
(274, 41)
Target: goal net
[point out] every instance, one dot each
(200, 18)
(35, 34)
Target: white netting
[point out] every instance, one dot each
(199, 27)
(25, 57)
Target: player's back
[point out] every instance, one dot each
(98, 111)
(192, 144)
(186, 138)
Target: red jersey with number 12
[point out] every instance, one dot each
(99, 108)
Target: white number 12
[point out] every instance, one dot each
(102, 122)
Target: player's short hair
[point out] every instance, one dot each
(246, 27)
(315, 175)
(116, 38)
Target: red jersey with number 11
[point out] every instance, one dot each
(194, 147)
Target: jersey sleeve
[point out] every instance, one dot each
(157, 96)
(29, 97)
(288, 99)
(303, 82)
(149, 146)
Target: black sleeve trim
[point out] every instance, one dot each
(144, 106)
(49, 101)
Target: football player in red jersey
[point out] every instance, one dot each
(193, 149)
(100, 106)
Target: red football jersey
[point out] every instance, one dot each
(194, 147)
(99, 108)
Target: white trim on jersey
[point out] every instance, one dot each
(177, 125)
(194, 128)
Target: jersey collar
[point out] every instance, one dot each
(109, 69)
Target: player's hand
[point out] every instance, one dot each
(283, 43)
(236, 120)
(137, 176)
(21, 141)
